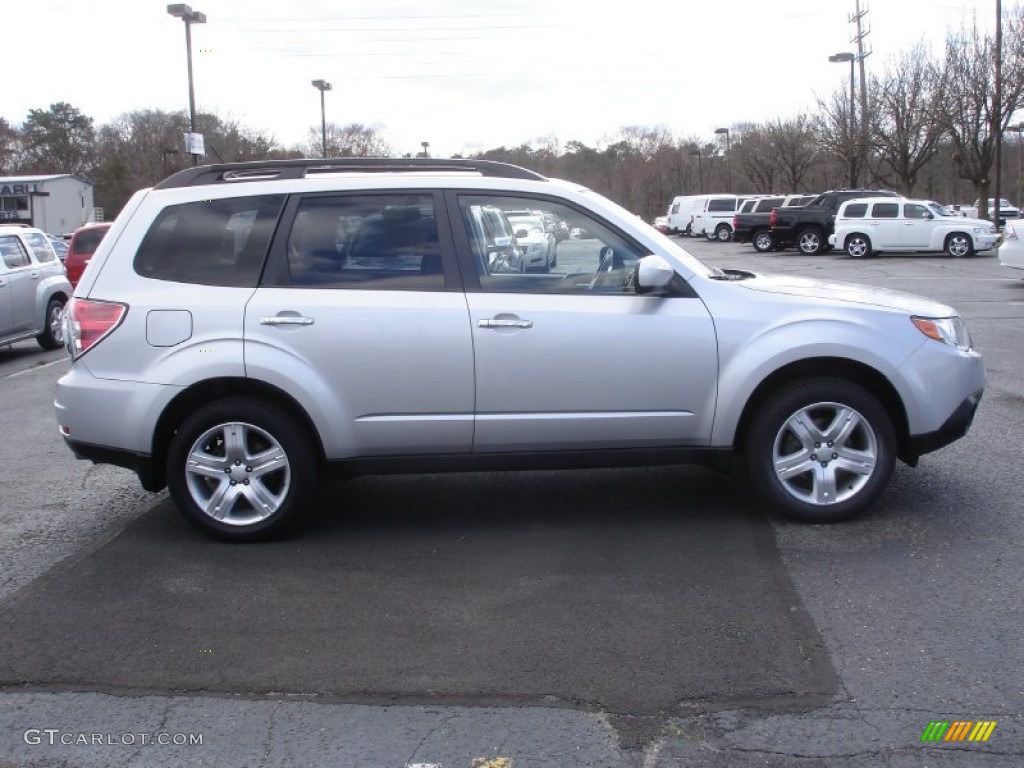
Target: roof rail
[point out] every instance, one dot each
(279, 170)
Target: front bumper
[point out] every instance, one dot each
(955, 427)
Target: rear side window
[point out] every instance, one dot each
(368, 242)
(721, 205)
(885, 211)
(856, 210)
(87, 241)
(767, 203)
(13, 252)
(40, 246)
(213, 242)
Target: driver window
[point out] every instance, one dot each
(532, 245)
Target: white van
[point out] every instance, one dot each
(713, 214)
(680, 214)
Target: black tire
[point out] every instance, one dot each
(858, 246)
(52, 336)
(723, 233)
(810, 241)
(821, 467)
(261, 428)
(763, 241)
(958, 245)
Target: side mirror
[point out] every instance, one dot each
(652, 274)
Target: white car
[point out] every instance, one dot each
(1011, 252)
(870, 225)
(537, 244)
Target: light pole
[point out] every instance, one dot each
(997, 117)
(190, 17)
(425, 145)
(728, 153)
(322, 85)
(700, 171)
(839, 58)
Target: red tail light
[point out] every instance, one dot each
(87, 322)
(773, 217)
(735, 223)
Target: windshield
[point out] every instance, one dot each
(937, 209)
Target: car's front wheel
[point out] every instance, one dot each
(822, 450)
(52, 336)
(810, 242)
(240, 469)
(959, 244)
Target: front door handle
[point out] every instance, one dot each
(505, 323)
(287, 320)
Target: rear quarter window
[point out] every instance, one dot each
(855, 211)
(885, 211)
(721, 205)
(214, 242)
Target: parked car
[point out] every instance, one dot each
(84, 242)
(33, 288)
(213, 356)
(535, 240)
(875, 224)
(492, 233)
(753, 221)
(59, 245)
(1011, 251)
(712, 216)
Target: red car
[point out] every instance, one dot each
(84, 242)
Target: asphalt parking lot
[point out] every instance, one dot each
(633, 617)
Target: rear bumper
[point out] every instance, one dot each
(140, 464)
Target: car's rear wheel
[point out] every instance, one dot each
(858, 246)
(821, 451)
(763, 241)
(723, 234)
(240, 469)
(959, 244)
(810, 242)
(52, 336)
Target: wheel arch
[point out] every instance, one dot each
(209, 390)
(869, 378)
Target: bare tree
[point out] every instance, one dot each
(752, 152)
(353, 140)
(838, 135)
(904, 135)
(968, 112)
(795, 148)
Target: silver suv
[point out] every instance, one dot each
(242, 327)
(33, 288)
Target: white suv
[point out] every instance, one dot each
(242, 327)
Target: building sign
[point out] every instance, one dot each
(18, 189)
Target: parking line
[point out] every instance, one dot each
(38, 367)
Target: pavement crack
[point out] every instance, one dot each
(269, 743)
(444, 722)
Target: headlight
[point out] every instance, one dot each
(948, 330)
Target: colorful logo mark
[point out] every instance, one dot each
(958, 730)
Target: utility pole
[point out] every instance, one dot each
(858, 18)
(997, 106)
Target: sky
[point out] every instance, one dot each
(464, 75)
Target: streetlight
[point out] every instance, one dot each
(728, 152)
(1019, 128)
(190, 17)
(322, 85)
(700, 171)
(839, 58)
(166, 153)
(425, 145)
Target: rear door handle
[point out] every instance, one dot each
(505, 323)
(287, 320)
